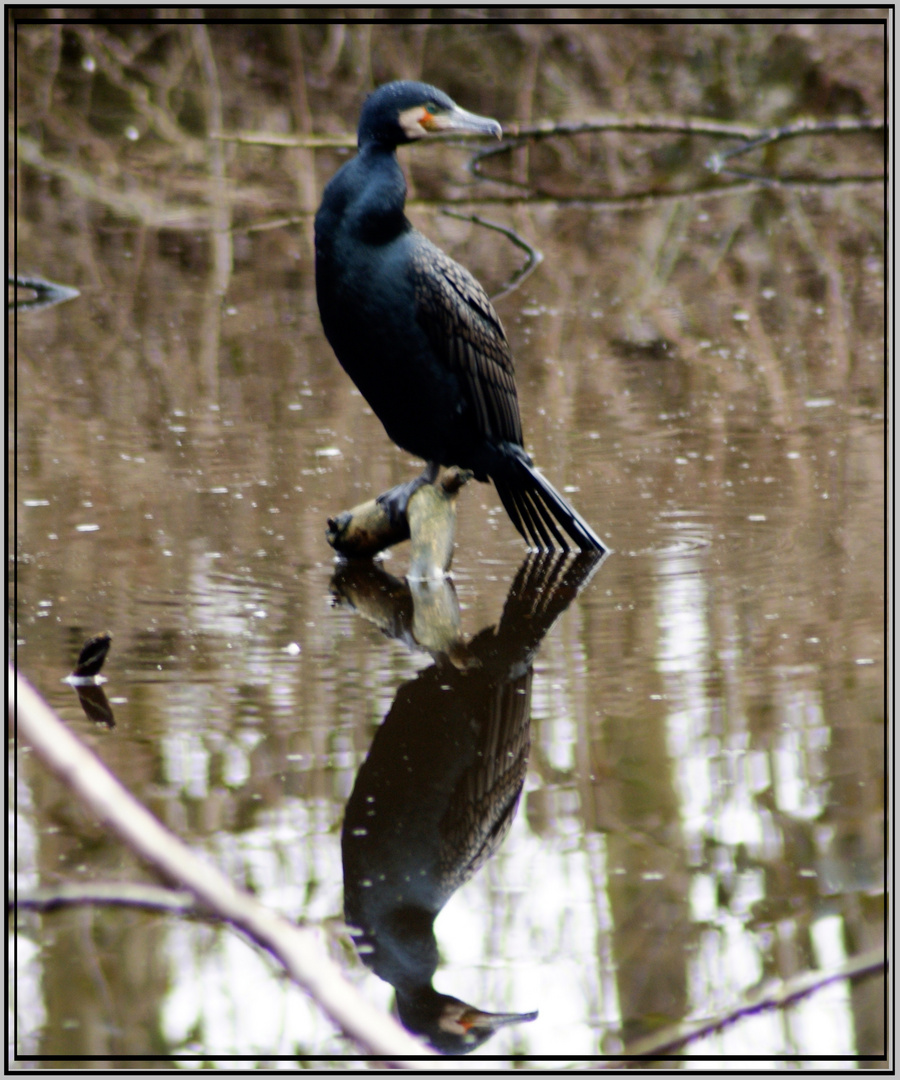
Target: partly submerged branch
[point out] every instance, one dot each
(665, 1043)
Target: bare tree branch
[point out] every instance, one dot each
(297, 949)
(751, 137)
(691, 125)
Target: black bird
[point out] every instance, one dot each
(416, 332)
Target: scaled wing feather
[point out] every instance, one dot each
(466, 334)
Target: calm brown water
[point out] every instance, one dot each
(703, 808)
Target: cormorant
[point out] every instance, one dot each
(416, 332)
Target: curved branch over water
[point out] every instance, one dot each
(296, 949)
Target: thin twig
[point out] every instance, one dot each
(534, 260)
(515, 134)
(294, 142)
(297, 949)
(679, 125)
(841, 125)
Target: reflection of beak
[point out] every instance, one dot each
(490, 1021)
(485, 1021)
(460, 122)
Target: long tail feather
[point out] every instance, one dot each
(536, 508)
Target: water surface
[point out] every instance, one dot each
(703, 803)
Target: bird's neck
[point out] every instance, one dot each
(379, 205)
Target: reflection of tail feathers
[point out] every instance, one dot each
(544, 586)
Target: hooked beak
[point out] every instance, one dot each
(459, 121)
(485, 1021)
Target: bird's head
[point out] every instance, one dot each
(448, 1024)
(402, 112)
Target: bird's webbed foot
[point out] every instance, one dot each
(395, 500)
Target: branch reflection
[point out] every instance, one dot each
(439, 788)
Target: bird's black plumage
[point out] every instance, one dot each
(415, 330)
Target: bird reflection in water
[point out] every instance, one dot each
(439, 788)
(86, 680)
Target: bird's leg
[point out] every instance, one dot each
(395, 500)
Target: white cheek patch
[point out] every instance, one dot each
(411, 122)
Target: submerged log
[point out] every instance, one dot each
(430, 522)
